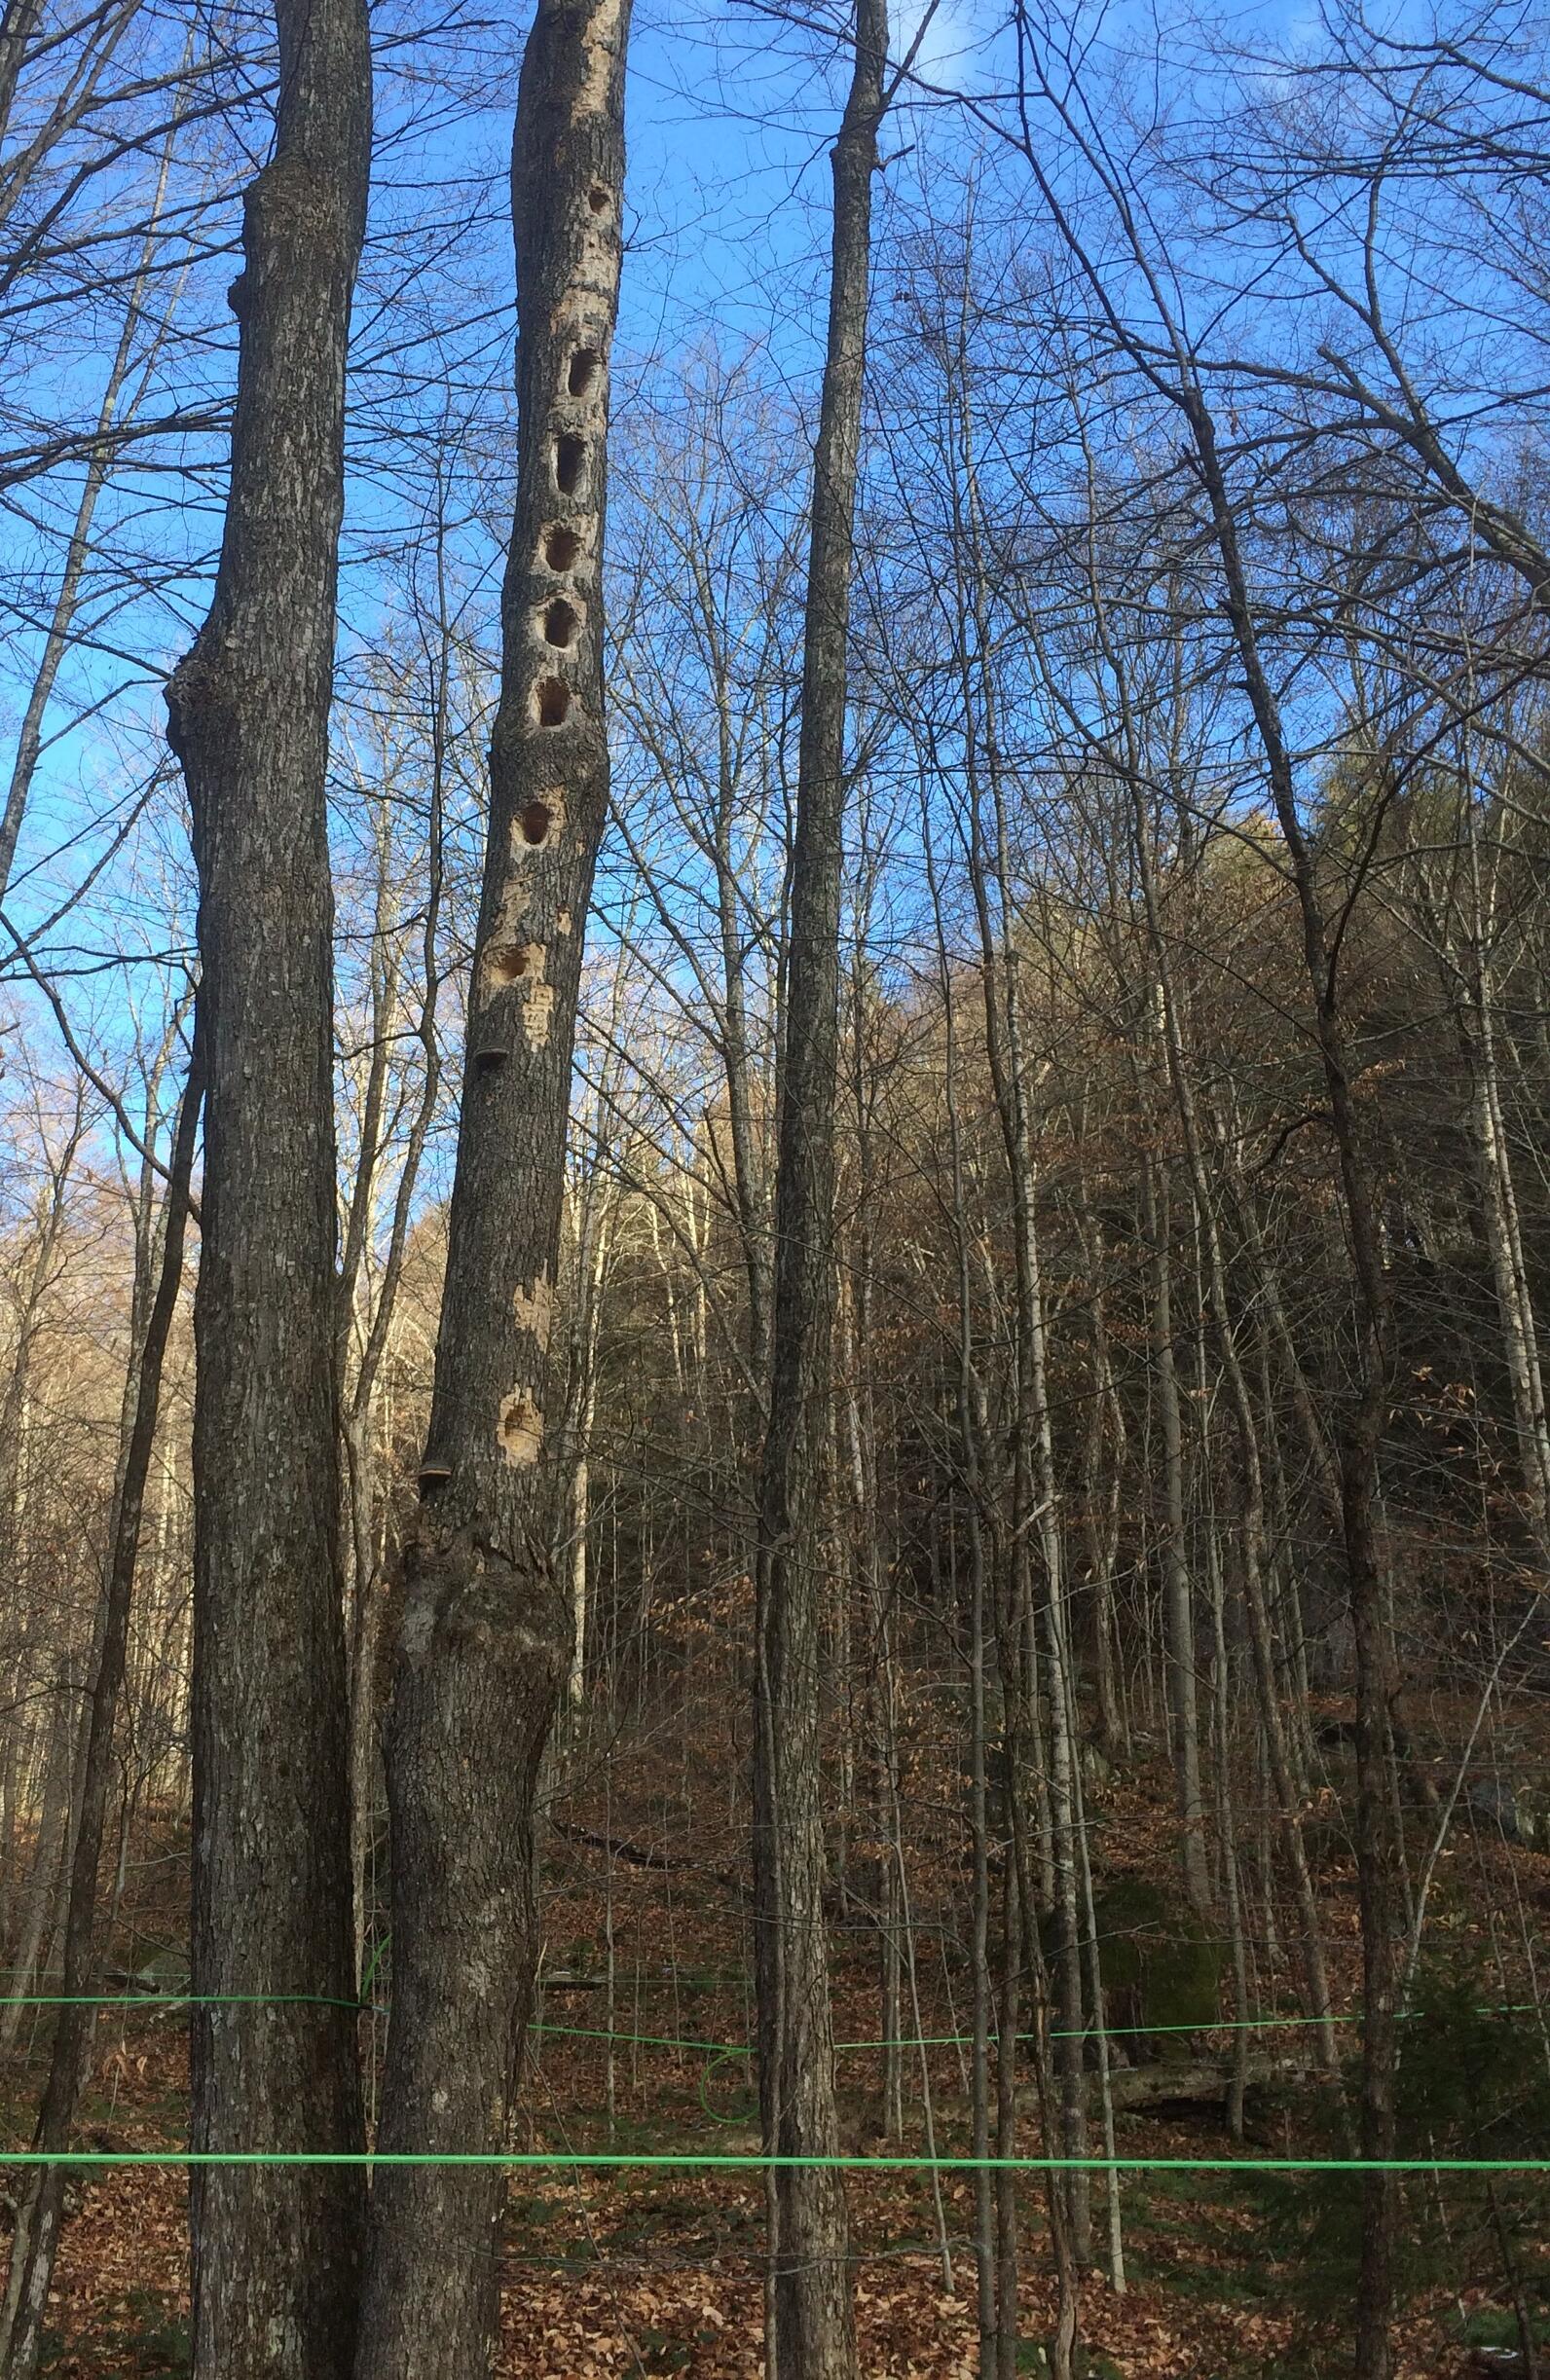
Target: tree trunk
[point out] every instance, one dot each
(1359, 1434)
(1101, 1502)
(55, 1789)
(276, 2249)
(485, 1643)
(1251, 1484)
(36, 2237)
(17, 25)
(1183, 1701)
(1036, 1511)
(1520, 1331)
(811, 2325)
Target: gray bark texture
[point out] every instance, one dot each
(275, 2250)
(485, 1643)
(17, 25)
(810, 2317)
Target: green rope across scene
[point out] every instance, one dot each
(178, 2000)
(683, 2160)
(715, 2050)
(711, 2160)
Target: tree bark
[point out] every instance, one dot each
(485, 1643)
(276, 2249)
(17, 25)
(1358, 1439)
(1504, 1238)
(1036, 1515)
(1251, 1483)
(35, 2239)
(810, 2322)
(1183, 1701)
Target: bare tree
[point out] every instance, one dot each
(810, 2333)
(277, 2247)
(484, 1646)
(35, 2237)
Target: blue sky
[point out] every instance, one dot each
(731, 120)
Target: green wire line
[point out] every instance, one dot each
(645, 2040)
(712, 2160)
(373, 1963)
(716, 2053)
(177, 2000)
(718, 2050)
(714, 2050)
(1118, 2032)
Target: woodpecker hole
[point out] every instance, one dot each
(584, 367)
(570, 454)
(507, 962)
(598, 199)
(519, 1427)
(551, 702)
(561, 621)
(561, 548)
(535, 821)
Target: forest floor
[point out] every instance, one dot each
(654, 2270)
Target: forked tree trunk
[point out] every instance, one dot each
(810, 2324)
(485, 1643)
(276, 2249)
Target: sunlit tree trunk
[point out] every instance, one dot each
(484, 1646)
(275, 2248)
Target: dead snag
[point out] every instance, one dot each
(484, 1644)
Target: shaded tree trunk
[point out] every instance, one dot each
(1499, 1204)
(485, 1643)
(1360, 1429)
(276, 2249)
(1183, 1701)
(55, 1790)
(35, 2239)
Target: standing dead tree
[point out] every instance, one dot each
(485, 1643)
